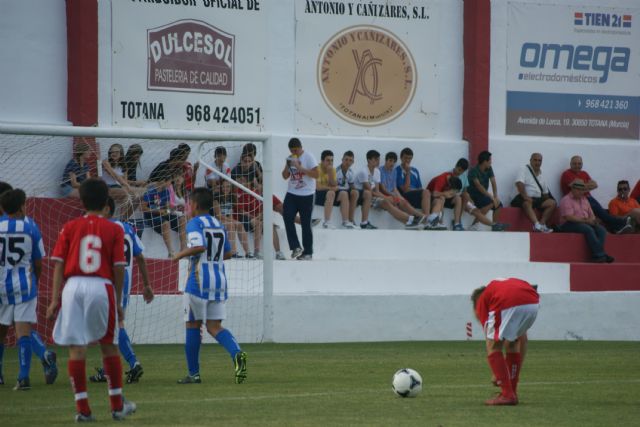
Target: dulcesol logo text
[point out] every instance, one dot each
(366, 75)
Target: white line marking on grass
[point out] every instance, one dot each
(325, 394)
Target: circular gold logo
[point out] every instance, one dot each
(366, 75)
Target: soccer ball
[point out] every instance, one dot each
(406, 383)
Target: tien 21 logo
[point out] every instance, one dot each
(593, 19)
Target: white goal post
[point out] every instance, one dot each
(197, 138)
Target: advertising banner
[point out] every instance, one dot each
(367, 68)
(189, 64)
(573, 71)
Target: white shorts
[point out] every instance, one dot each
(202, 309)
(88, 312)
(22, 312)
(510, 324)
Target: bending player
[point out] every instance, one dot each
(47, 357)
(21, 252)
(506, 308)
(89, 255)
(133, 248)
(206, 290)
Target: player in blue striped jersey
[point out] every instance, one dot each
(21, 253)
(47, 357)
(133, 248)
(206, 289)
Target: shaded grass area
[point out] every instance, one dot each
(562, 384)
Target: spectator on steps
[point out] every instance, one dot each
(132, 165)
(623, 205)
(613, 223)
(479, 179)
(446, 192)
(345, 178)
(410, 184)
(534, 194)
(388, 186)
(577, 217)
(127, 198)
(76, 170)
(220, 164)
(327, 194)
(368, 179)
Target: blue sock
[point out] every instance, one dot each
(192, 350)
(124, 343)
(24, 357)
(1, 357)
(228, 341)
(37, 345)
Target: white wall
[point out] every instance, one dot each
(33, 61)
(607, 161)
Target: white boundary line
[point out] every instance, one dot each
(387, 390)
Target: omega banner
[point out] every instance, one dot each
(573, 71)
(190, 64)
(366, 67)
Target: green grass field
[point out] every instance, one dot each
(562, 384)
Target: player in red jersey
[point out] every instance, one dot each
(506, 308)
(89, 256)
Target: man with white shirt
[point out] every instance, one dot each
(533, 193)
(301, 170)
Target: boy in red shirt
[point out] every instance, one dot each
(506, 308)
(89, 256)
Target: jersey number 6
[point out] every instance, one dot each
(90, 253)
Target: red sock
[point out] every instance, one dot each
(514, 362)
(113, 372)
(499, 367)
(78, 377)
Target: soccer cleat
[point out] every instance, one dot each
(498, 226)
(190, 379)
(368, 226)
(23, 385)
(296, 253)
(500, 400)
(628, 228)
(99, 377)
(128, 408)
(240, 365)
(82, 418)
(415, 224)
(133, 376)
(50, 367)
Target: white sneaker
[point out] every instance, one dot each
(327, 224)
(474, 227)
(546, 229)
(280, 256)
(538, 228)
(348, 225)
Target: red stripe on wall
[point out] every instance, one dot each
(477, 53)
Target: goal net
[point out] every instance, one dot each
(35, 163)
